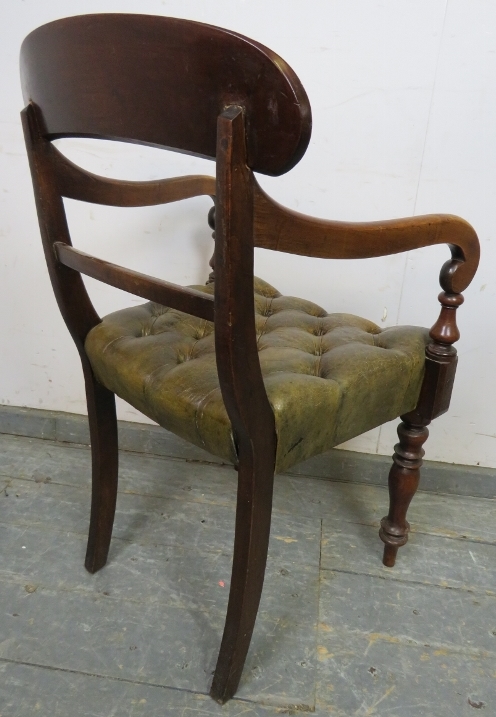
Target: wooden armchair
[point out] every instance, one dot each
(262, 380)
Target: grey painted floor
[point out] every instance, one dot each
(337, 634)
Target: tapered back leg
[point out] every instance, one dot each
(104, 457)
(251, 542)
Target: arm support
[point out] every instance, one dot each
(281, 229)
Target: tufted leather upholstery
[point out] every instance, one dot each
(328, 377)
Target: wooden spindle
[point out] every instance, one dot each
(211, 263)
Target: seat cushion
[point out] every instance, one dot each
(328, 377)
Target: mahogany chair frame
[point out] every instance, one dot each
(245, 218)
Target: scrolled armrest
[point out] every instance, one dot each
(281, 229)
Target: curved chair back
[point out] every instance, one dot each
(163, 82)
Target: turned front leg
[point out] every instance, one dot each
(404, 478)
(434, 400)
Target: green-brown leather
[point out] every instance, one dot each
(328, 377)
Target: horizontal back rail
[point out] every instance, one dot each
(74, 182)
(162, 292)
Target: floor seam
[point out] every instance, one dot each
(474, 589)
(302, 476)
(317, 632)
(53, 668)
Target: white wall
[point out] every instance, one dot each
(403, 94)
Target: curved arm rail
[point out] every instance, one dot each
(77, 183)
(281, 229)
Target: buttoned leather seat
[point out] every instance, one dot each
(328, 377)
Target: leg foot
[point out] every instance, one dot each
(403, 482)
(104, 455)
(389, 556)
(253, 513)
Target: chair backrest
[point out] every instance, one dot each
(183, 86)
(163, 82)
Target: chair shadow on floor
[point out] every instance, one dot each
(197, 580)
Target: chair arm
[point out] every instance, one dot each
(77, 183)
(281, 229)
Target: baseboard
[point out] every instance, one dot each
(337, 465)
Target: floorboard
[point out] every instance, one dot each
(337, 634)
